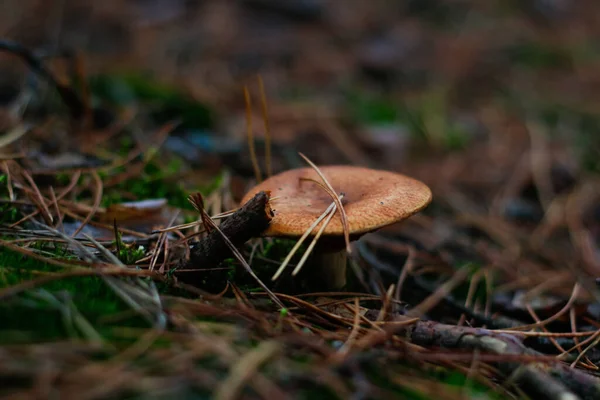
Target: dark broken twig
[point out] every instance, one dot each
(249, 221)
(246, 223)
(548, 381)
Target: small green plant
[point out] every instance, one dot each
(128, 253)
(9, 213)
(431, 120)
(369, 109)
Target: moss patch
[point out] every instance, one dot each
(50, 311)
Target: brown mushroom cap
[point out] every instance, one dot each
(372, 199)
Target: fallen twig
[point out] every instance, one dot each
(547, 381)
(247, 222)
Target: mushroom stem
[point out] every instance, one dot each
(330, 268)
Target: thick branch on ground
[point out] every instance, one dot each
(248, 222)
(540, 380)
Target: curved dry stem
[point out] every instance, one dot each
(265, 112)
(312, 244)
(251, 148)
(288, 258)
(338, 202)
(561, 312)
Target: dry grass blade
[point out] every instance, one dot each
(74, 322)
(106, 226)
(222, 215)
(63, 193)
(83, 324)
(56, 208)
(97, 200)
(141, 296)
(536, 318)
(38, 198)
(345, 349)
(250, 135)
(288, 258)
(386, 301)
(343, 141)
(540, 164)
(13, 135)
(407, 268)
(443, 291)
(245, 368)
(595, 341)
(473, 284)
(313, 243)
(82, 272)
(545, 334)
(176, 227)
(197, 200)
(557, 315)
(153, 142)
(265, 112)
(9, 186)
(338, 202)
(161, 243)
(32, 254)
(591, 338)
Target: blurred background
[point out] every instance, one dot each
(493, 104)
(366, 80)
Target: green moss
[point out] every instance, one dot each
(126, 144)
(264, 264)
(166, 102)
(155, 181)
(158, 179)
(538, 55)
(9, 213)
(430, 120)
(371, 109)
(426, 118)
(46, 313)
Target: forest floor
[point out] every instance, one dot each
(112, 116)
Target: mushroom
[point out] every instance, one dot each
(372, 199)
